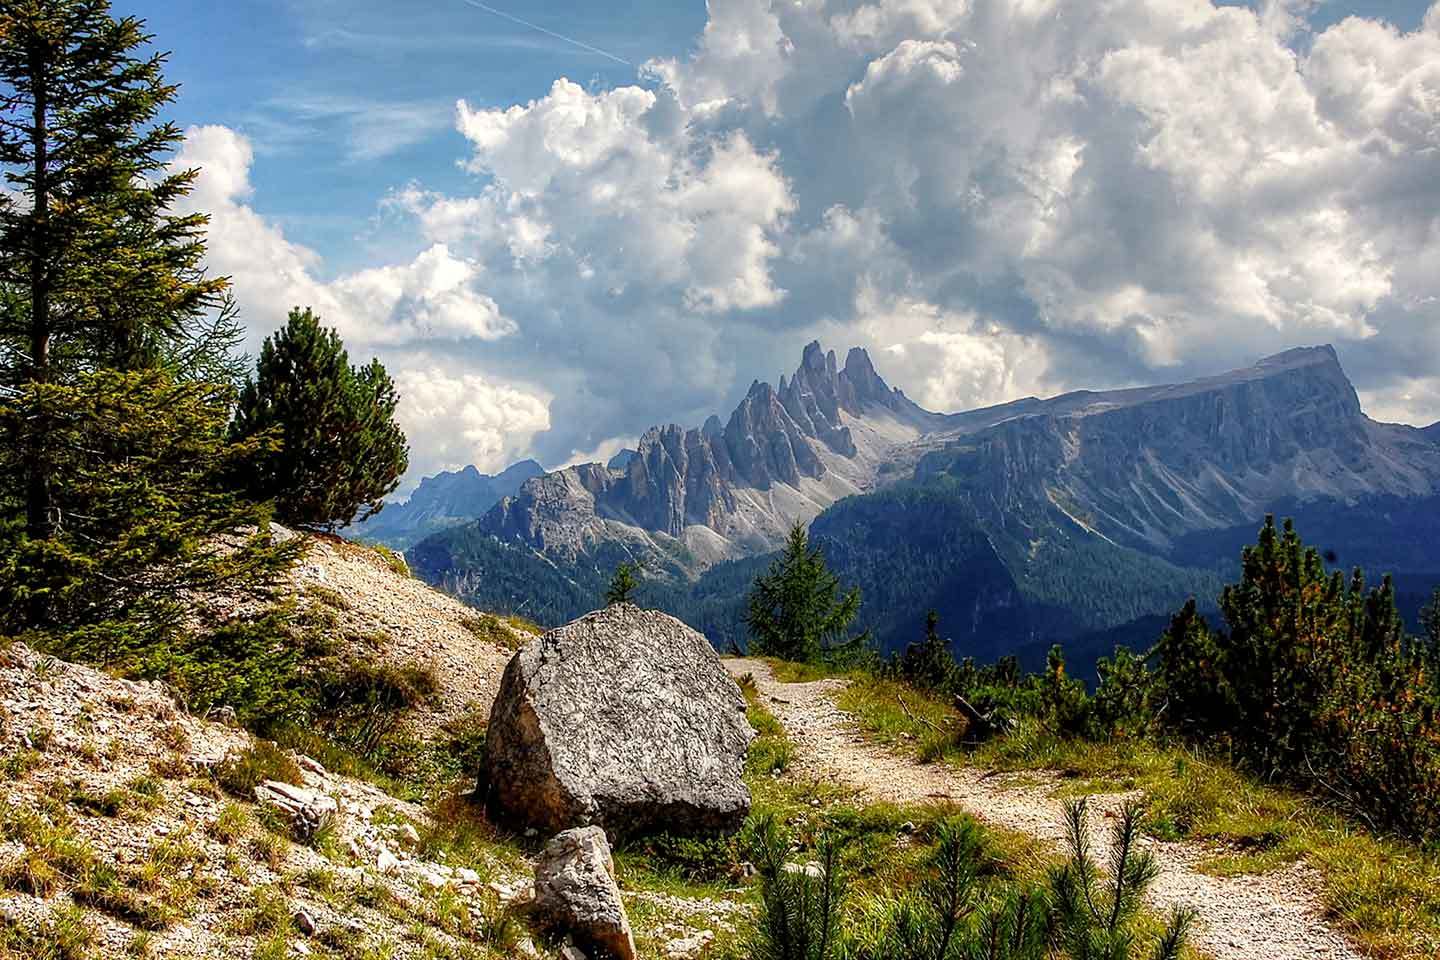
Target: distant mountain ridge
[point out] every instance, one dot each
(724, 491)
(1143, 466)
(445, 500)
(1036, 521)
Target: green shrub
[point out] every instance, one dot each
(395, 561)
(959, 906)
(1095, 911)
(240, 773)
(1313, 680)
(491, 629)
(698, 859)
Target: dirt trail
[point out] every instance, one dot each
(1276, 916)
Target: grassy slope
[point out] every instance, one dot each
(886, 845)
(1384, 892)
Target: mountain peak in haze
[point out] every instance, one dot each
(446, 499)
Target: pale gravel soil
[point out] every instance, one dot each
(1275, 916)
(419, 625)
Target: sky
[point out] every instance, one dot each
(560, 231)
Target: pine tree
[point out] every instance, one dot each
(929, 663)
(623, 585)
(340, 450)
(150, 534)
(795, 611)
(1430, 641)
(96, 269)
(1313, 680)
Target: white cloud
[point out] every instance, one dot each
(407, 313)
(1000, 197)
(466, 419)
(950, 360)
(587, 179)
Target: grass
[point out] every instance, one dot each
(507, 633)
(1383, 892)
(64, 935)
(240, 773)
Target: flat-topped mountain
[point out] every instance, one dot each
(1147, 465)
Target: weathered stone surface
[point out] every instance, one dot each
(575, 890)
(308, 811)
(624, 718)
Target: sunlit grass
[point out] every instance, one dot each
(1383, 892)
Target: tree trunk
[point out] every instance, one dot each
(37, 469)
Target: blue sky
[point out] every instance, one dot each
(996, 197)
(305, 80)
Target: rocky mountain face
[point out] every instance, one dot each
(444, 500)
(1142, 467)
(1030, 522)
(727, 489)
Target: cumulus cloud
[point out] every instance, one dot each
(465, 419)
(999, 197)
(409, 314)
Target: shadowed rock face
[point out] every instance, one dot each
(678, 477)
(1146, 465)
(624, 719)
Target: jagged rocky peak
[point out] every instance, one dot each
(681, 477)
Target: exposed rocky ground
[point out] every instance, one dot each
(116, 803)
(381, 610)
(1275, 916)
(131, 828)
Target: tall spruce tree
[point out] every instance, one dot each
(340, 450)
(97, 270)
(795, 610)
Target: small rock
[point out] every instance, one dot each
(575, 890)
(571, 952)
(305, 923)
(527, 948)
(307, 810)
(409, 835)
(309, 764)
(688, 948)
(812, 869)
(386, 862)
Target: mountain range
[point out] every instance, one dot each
(1081, 519)
(442, 501)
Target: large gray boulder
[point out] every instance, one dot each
(575, 891)
(624, 718)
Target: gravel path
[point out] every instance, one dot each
(1276, 916)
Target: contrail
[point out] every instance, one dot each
(550, 33)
